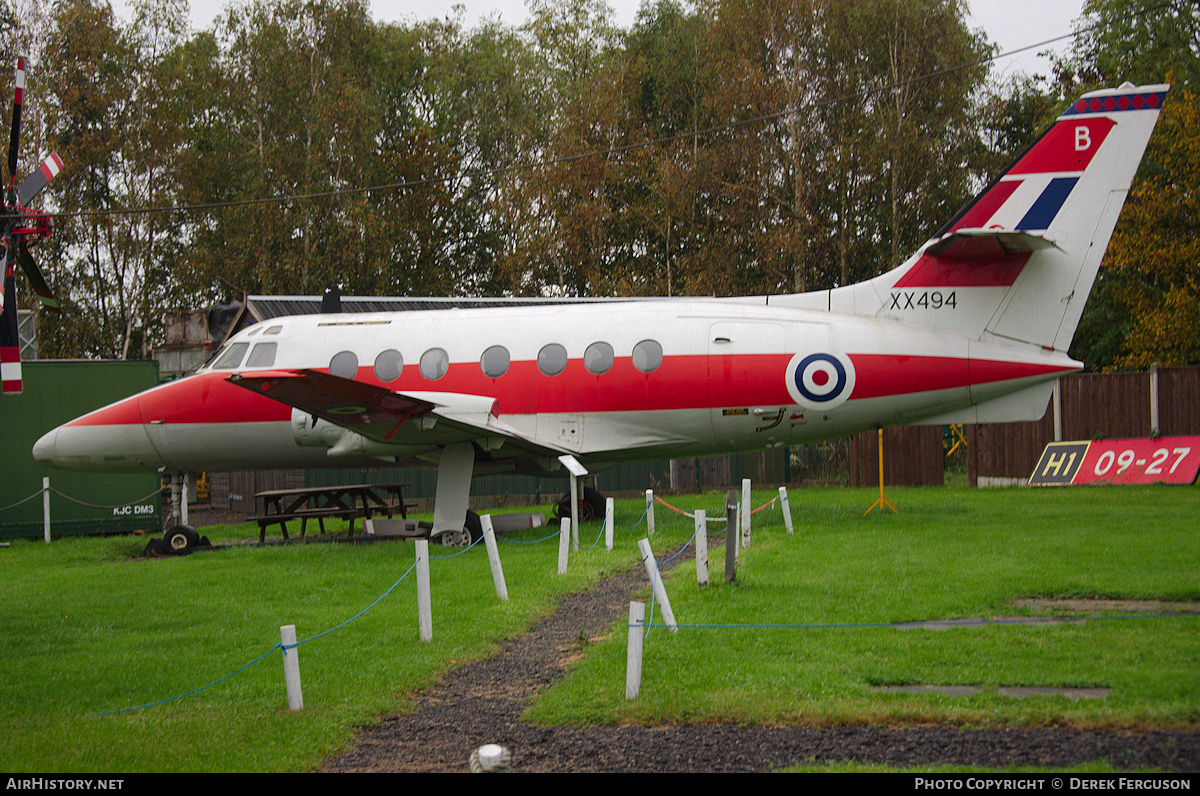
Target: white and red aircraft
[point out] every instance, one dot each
(974, 327)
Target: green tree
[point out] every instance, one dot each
(1155, 252)
(115, 123)
(1144, 306)
(1141, 41)
(869, 138)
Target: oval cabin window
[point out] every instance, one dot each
(494, 362)
(598, 358)
(435, 363)
(647, 356)
(344, 364)
(388, 365)
(552, 359)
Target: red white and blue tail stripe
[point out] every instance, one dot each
(1030, 194)
(1016, 264)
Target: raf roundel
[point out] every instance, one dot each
(820, 381)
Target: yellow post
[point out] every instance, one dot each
(882, 500)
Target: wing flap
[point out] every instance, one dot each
(392, 417)
(372, 411)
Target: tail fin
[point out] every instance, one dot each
(1017, 263)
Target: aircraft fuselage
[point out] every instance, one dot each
(605, 382)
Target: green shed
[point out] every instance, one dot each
(56, 391)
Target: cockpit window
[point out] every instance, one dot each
(273, 330)
(232, 357)
(263, 356)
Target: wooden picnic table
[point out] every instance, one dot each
(279, 506)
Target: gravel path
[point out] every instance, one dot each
(482, 703)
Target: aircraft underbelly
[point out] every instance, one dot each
(196, 447)
(639, 432)
(102, 448)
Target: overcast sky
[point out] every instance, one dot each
(1010, 23)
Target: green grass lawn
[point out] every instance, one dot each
(87, 629)
(947, 554)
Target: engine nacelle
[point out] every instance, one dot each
(312, 432)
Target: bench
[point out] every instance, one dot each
(359, 501)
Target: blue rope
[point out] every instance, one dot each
(284, 647)
(598, 535)
(639, 522)
(531, 541)
(679, 552)
(187, 693)
(459, 553)
(357, 615)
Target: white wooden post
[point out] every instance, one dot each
(1058, 410)
(633, 652)
(649, 512)
(489, 540)
(46, 507)
(576, 470)
(424, 601)
(1154, 366)
(291, 667)
(575, 512)
(745, 512)
(660, 592)
(787, 509)
(701, 548)
(731, 535)
(564, 540)
(609, 523)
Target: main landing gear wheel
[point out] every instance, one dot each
(591, 505)
(472, 532)
(180, 539)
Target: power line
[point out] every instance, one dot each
(555, 161)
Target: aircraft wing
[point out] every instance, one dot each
(392, 417)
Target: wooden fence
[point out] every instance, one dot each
(1089, 406)
(912, 456)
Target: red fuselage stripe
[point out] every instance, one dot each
(682, 382)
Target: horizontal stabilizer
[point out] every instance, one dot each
(987, 244)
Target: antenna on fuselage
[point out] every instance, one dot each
(331, 299)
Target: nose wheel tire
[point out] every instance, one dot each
(180, 540)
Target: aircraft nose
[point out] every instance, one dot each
(45, 450)
(95, 443)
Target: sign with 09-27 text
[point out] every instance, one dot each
(1170, 460)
